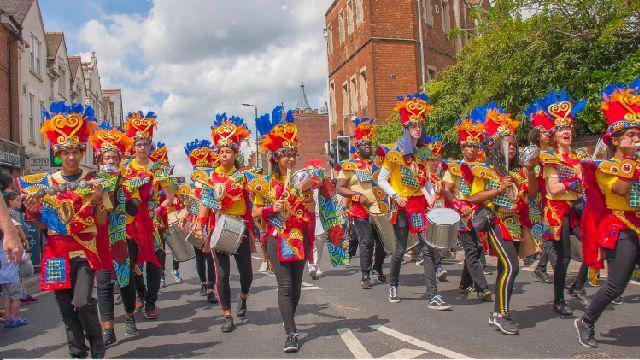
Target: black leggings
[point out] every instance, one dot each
(205, 268)
(104, 291)
(563, 251)
(472, 271)
(508, 268)
(621, 262)
(149, 292)
(223, 271)
(289, 279)
(79, 311)
(371, 252)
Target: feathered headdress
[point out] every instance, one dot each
(139, 126)
(620, 106)
(109, 139)
(364, 129)
(553, 111)
(279, 133)
(470, 131)
(158, 153)
(413, 108)
(68, 127)
(435, 145)
(497, 121)
(201, 153)
(228, 132)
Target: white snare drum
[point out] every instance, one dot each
(382, 222)
(442, 231)
(227, 234)
(181, 249)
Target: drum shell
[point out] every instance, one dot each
(382, 222)
(227, 234)
(181, 249)
(441, 236)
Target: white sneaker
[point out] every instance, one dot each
(263, 267)
(319, 273)
(176, 276)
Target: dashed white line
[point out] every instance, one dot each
(419, 343)
(354, 345)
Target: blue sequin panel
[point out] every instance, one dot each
(55, 270)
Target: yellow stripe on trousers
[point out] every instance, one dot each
(506, 273)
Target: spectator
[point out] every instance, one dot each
(10, 254)
(14, 204)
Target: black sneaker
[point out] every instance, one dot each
(212, 298)
(487, 272)
(130, 328)
(542, 276)
(203, 289)
(393, 294)
(562, 309)
(484, 295)
(581, 295)
(366, 282)
(586, 334)
(241, 311)
(465, 291)
(437, 303)
(379, 276)
(617, 301)
(228, 324)
(292, 345)
(504, 324)
(109, 338)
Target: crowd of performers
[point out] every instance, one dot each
(111, 225)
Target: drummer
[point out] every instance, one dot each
(226, 192)
(456, 194)
(403, 178)
(435, 173)
(356, 183)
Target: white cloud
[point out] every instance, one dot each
(209, 56)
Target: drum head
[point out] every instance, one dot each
(443, 216)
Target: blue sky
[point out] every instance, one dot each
(188, 63)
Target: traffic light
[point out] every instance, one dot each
(54, 161)
(343, 148)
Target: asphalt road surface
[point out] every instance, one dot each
(337, 319)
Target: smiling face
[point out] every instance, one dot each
(227, 156)
(627, 142)
(142, 148)
(363, 149)
(70, 159)
(110, 158)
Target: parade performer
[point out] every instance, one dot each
(539, 136)
(288, 212)
(611, 220)
(66, 202)
(457, 192)
(320, 236)
(204, 159)
(562, 171)
(109, 146)
(356, 183)
(226, 192)
(435, 172)
(403, 178)
(147, 244)
(498, 188)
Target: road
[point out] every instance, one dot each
(339, 320)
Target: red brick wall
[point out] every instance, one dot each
(4, 83)
(313, 130)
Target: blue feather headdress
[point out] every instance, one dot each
(554, 111)
(279, 133)
(68, 126)
(229, 131)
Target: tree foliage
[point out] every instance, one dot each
(522, 49)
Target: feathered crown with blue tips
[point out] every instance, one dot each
(139, 126)
(496, 121)
(228, 131)
(364, 129)
(435, 146)
(68, 126)
(554, 111)
(278, 131)
(620, 105)
(158, 153)
(470, 131)
(201, 153)
(413, 108)
(108, 138)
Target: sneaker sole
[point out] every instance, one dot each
(575, 325)
(111, 345)
(132, 334)
(290, 350)
(440, 307)
(505, 332)
(486, 296)
(443, 276)
(394, 301)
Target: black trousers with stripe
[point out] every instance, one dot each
(508, 268)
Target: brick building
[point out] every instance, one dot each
(375, 51)
(11, 152)
(313, 131)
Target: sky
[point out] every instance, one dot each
(190, 59)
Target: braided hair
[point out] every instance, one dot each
(495, 156)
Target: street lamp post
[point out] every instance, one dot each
(255, 118)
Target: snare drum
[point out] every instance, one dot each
(442, 231)
(382, 222)
(181, 249)
(227, 234)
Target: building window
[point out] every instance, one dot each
(41, 121)
(428, 12)
(431, 72)
(363, 88)
(345, 98)
(359, 12)
(446, 17)
(351, 14)
(341, 34)
(353, 93)
(32, 124)
(36, 56)
(330, 39)
(332, 102)
(62, 81)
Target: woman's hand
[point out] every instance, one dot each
(401, 201)
(278, 205)
(98, 190)
(506, 184)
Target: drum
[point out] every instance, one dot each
(227, 234)
(529, 153)
(181, 249)
(382, 222)
(442, 231)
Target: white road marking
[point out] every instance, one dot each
(404, 354)
(354, 345)
(256, 258)
(345, 307)
(419, 343)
